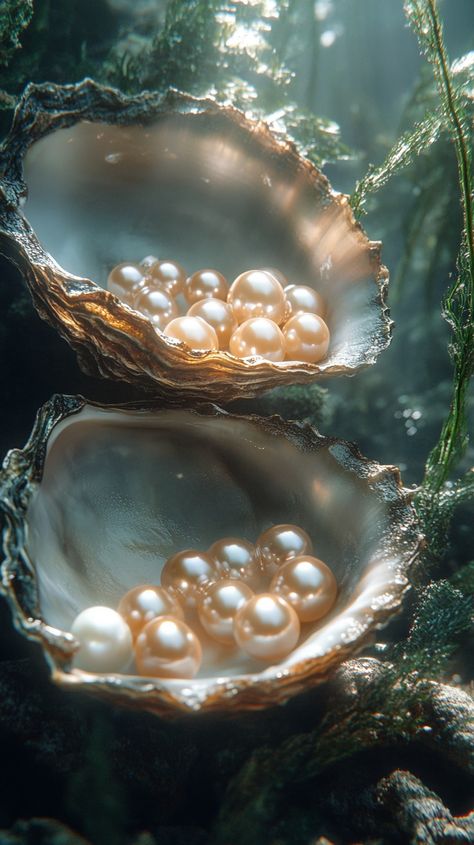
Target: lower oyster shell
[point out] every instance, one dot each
(100, 497)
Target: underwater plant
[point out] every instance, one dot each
(399, 697)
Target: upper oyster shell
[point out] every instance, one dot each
(112, 178)
(100, 497)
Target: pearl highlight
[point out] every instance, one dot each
(266, 627)
(205, 284)
(187, 573)
(194, 332)
(146, 602)
(217, 314)
(236, 559)
(168, 648)
(218, 606)
(124, 279)
(306, 338)
(308, 585)
(257, 293)
(104, 638)
(258, 336)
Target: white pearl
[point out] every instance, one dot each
(105, 640)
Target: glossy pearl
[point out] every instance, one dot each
(277, 274)
(157, 305)
(123, 279)
(205, 283)
(256, 293)
(105, 640)
(218, 606)
(194, 332)
(167, 274)
(144, 603)
(236, 559)
(281, 543)
(266, 627)
(303, 299)
(219, 315)
(187, 573)
(148, 262)
(306, 338)
(258, 336)
(308, 585)
(168, 648)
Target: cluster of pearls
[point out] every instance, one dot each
(260, 314)
(251, 596)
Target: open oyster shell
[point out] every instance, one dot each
(105, 178)
(100, 497)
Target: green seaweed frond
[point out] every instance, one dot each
(458, 307)
(15, 16)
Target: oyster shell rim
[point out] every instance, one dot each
(75, 305)
(22, 468)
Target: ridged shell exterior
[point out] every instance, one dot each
(375, 590)
(300, 212)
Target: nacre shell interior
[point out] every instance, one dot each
(111, 179)
(122, 490)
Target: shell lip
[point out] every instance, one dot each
(111, 338)
(22, 471)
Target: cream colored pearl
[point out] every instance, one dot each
(258, 336)
(281, 543)
(219, 604)
(143, 603)
(148, 262)
(306, 338)
(168, 648)
(105, 640)
(217, 314)
(187, 573)
(125, 279)
(194, 332)
(205, 283)
(236, 558)
(157, 305)
(167, 274)
(303, 299)
(256, 293)
(266, 627)
(308, 585)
